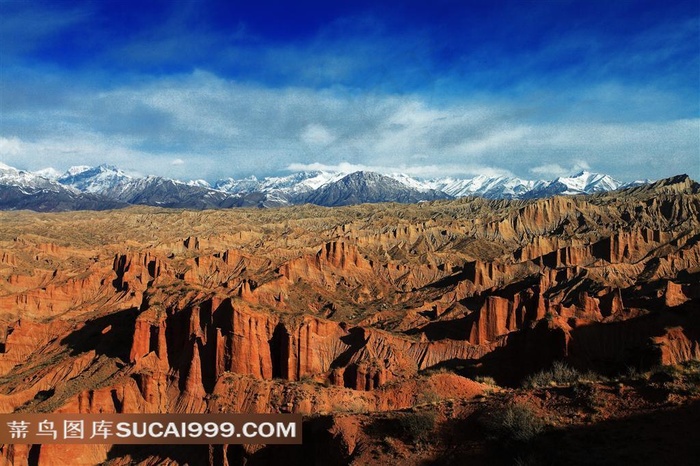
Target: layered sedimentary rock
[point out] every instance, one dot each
(316, 310)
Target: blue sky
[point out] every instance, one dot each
(196, 89)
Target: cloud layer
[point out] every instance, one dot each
(429, 92)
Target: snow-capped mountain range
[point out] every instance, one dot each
(500, 187)
(112, 187)
(20, 189)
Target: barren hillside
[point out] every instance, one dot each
(351, 316)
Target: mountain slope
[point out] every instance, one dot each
(152, 190)
(115, 188)
(20, 189)
(103, 179)
(581, 183)
(500, 187)
(368, 187)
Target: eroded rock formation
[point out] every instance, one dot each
(314, 310)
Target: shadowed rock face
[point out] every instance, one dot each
(315, 310)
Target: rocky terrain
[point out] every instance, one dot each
(410, 333)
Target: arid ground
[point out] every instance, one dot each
(554, 331)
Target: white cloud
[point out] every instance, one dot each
(10, 146)
(342, 167)
(316, 134)
(234, 129)
(177, 162)
(500, 139)
(556, 170)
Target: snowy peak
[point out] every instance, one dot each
(582, 183)
(103, 179)
(411, 182)
(499, 187)
(302, 181)
(234, 186)
(115, 184)
(294, 184)
(369, 187)
(586, 182)
(199, 183)
(21, 189)
(25, 180)
(76, 170)
(295, 188)
(49, 173)
(106, 182)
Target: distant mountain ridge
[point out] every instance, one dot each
(20, 189)
(106, 187)
(498, 187)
